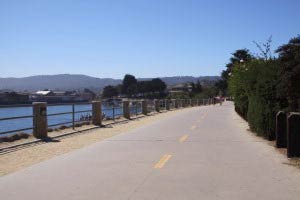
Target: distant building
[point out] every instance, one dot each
(44, 93)
(180, 88)
(7, 98)
(62, 96)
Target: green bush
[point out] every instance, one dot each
(253, 85)
(261, 86)
(14, 137)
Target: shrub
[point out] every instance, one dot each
(14, 137)
(264, 85)
(23, 135)
(78, 125)
(63, 127)
(253, 85)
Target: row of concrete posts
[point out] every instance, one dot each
(40, 121)
(288, 132)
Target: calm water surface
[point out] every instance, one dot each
(66, 118)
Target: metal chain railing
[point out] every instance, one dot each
(73, 114)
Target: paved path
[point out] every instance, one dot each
(200, 153)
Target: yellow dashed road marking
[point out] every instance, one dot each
(183, 138)
(203, 116)
(162, 161)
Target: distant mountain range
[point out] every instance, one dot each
(78, 82)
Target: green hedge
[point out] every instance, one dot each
(253, 86)
(261, 86)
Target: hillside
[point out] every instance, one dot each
(74, 81)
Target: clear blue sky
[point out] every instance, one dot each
(147, 38)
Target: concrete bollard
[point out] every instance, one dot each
(167, 104)
(293, 135)
(156, 105)
(281, 132)
(96, 113)
(40, 123)
(126, 110)
(175, 103)
(144, 107)
(183, 103)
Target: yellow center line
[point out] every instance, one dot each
(183, 138)
(162, 161)
(203, 116)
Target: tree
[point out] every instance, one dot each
(151, 88)
(157, 85)
(198, 87)
(129, 85)
(289, 84)
(110, 91)
(222, 86)
(265, 49)
(240, 55)
(86, 90)
(131, 90)
(143, 87)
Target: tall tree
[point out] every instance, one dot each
(129, 85)
(240, 55)
(157, 85)
(198, 87)
(110, 91)
(143, 87)
(86, 90)
(289, 84)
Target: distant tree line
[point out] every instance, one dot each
(263, 84)
(131, 87)
(196, 91)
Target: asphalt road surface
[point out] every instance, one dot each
(199, 153)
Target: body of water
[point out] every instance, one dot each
(9, 125)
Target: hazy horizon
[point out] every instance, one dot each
(113, 78)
